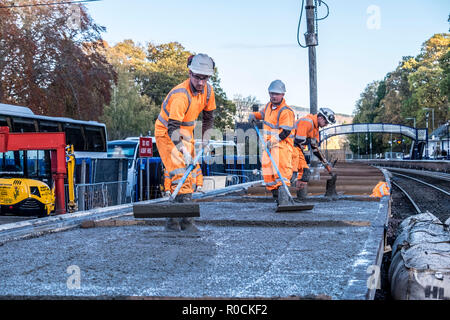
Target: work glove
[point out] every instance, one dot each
(252, 119)
(166, 193)
(200, 189)
(272, 143)
(187, 156)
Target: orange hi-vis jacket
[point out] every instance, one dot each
(306, 127)
(182, 105)
(277, 120)
(380, 190)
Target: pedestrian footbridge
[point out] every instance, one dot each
(419, 136)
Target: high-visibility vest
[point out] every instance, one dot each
(277, 120)
(180, 104)
(380, 190)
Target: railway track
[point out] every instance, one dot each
(425, 192)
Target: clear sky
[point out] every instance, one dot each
(255, 41)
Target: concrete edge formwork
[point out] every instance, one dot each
(37, 227)
(367, 269)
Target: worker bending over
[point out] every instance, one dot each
(307, 132)
(174, 129)
(278, 120)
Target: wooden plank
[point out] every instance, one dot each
(166, 210)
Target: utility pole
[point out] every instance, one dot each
(311, 43)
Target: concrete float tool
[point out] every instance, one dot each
(171, 209)
(292, 207)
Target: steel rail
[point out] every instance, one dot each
(423, 182)
(416, 207)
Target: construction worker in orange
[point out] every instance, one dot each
(278, 119)
(174, 129)
(307, 133)
(380, 190)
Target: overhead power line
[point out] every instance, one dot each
(46, 4)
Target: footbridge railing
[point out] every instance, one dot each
(413, 133)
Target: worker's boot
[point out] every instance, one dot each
(187, 197)
(275, 194)
(283, 197)
(302, 193)
(188, 225)
(172, 224)
(294, 177)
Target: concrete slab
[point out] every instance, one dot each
(244, 250)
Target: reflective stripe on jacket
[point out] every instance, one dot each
(181, 105)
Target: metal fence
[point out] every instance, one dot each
(102, 194)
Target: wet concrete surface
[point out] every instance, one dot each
(283, 254)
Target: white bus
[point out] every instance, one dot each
(88, 137)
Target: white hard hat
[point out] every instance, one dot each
(277, 86)
(328, 114)
(202, 64)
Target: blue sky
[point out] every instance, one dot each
(254, 41)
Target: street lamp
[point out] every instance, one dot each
(432, 116)
(412, 118)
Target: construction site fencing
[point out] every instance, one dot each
(97, 195)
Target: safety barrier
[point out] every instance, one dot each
(98, 195)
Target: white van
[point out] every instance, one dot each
(128, 148)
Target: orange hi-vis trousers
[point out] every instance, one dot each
(173, 161)
(301, 164)
(196, 177)
(282, 154)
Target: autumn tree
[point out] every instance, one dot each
(131, 112)
(155, 70)
(416, 84)
(52, 61)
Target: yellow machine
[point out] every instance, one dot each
(70, 159)
(22, 196)
(25, 196)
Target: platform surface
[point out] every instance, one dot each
(244, 249)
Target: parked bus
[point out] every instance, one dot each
(88, 137)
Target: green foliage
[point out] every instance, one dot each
(417, 83)
(226, 109)
(146, 75)
(130, 113)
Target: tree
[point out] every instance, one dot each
(367, 110)
(129, 113)
(226, 109)
(155, 70)
(417, 83)
(167, 68)
(425, 79)
(52, 61)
